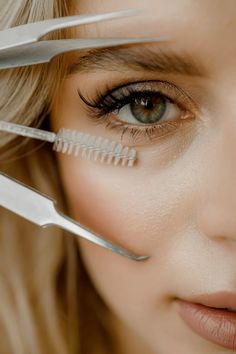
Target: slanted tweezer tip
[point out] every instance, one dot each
(129, 255)
(121, 251)
(141, 258)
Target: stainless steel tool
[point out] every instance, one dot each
(21, 45)
(40, 210)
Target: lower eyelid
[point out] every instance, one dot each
(148, 133)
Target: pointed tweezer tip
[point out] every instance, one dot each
(126, 12)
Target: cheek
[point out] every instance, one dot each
(134, 210)
(143, 210)
(138, 212)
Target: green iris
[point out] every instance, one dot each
(148, 110)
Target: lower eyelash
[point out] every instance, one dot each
(151, 133)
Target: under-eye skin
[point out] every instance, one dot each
(145, 110)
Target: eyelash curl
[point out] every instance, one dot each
(100, 107)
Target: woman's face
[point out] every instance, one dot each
(178, 203)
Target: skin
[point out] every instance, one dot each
(178, 204)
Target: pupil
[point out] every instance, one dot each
(148, 109)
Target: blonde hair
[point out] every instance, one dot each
(48, 304)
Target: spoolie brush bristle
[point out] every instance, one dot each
(94, 148)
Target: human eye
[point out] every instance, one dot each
(143, 110)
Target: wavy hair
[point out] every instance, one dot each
(48, 303)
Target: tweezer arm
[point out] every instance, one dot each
(44, 51)
(39, 209)
(77, 229)
(32, 32)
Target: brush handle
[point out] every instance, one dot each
(74, 142)
(27, 131)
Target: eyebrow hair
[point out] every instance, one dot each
(143, 58)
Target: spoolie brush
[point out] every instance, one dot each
(75, 143)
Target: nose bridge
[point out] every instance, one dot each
(222, 148)
(217, 209)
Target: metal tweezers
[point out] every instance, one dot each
(21, 46)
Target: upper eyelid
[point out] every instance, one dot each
(125, 84)
(126, 91)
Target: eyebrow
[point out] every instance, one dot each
(143, 58)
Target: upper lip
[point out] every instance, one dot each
(222, 299)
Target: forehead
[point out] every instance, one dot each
(206, 28)
(212, 12)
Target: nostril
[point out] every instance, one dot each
(227, 239)
(227, 242)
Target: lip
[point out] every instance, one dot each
(222, 299)
(207, 318)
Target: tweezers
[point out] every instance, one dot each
(21, 45)
(38, 208)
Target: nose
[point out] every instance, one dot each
(216, 215)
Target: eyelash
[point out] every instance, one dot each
(104, 103)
